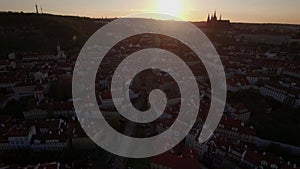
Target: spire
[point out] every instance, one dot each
(36, 8)
(41, 9)
(58, 47)
(208, 18)
(220, 17)
(215, 14)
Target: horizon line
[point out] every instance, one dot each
(116, 17)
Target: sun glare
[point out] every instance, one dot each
(170, 7)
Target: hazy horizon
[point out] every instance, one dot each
(255, 11)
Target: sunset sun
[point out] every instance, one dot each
(170, 7)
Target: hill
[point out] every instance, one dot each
(41, 32)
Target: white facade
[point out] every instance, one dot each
(278, 94)
(22, 139)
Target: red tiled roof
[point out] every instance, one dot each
(234, 81)
(230, 123)
(222, 143)
(178, 160)
(58, 106)
(253, 157)
(48, 123)
(19, 132)
(4, 62)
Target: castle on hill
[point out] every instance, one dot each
(212, 20)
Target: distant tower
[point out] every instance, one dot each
(36, 9)
(41, 9)
(58, 47)
(220, 17)
(208, 18)
(215, 15)
(60, 55)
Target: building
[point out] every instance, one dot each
(239, 111)
(39, 93)
(26, 88)
(252, 159)
(237, 151)
(44, 126)
(269, 161)
(8, 82)
(4, 144)
(80, 140)
(191, 140)
(5, 125)
(235, 84)
(35, 114)
(52, 141)
(213, 21)
(253, 77)
(281, 94)
(60, 55)
(51, 135)
(235, 129)
(20, 137)
(218, 148)
(177, 158)
(59, 108)
(106, 100)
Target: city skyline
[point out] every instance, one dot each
(82, 87)
(255, 11)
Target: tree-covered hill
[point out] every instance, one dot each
(40, 32)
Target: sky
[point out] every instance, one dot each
(254, 11)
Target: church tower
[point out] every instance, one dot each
(208, 18)
(214, 21)
(58, 47)
(215, 16)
